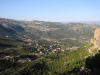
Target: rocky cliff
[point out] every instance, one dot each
(97, 34)
(97, 38)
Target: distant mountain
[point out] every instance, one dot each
(91, 22)
(87, 22)
(71, 34)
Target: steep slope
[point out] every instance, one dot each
(9, 29)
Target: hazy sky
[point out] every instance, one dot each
(51, 10)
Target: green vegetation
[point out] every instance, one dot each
(47, 48)
(58, 63)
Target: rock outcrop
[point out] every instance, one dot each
(97, 34)
(97, 38)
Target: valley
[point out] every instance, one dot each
(49, 37)
(48, 48)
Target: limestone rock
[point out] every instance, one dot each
(97, 38)
(97, 34)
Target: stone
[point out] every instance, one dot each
(97, 38)
(97, 34)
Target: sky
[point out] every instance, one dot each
(51, 10)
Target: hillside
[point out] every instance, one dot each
(71, 34)
(21, 58)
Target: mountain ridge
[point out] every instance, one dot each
(53, 31)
